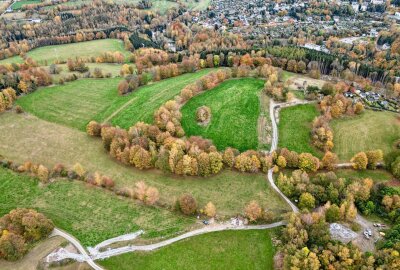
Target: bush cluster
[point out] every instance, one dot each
(19, 230)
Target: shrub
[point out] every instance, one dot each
(187, 204)
(107, 182)
(43, 173)
(21, 226)
(152, 196)
(281, 162)
(374, 157)
(210, 209)
(306, 201)
(395, 167)
(93, 129)
(215, 162)
(12, 246)
(330, 160)
(332, 214)
(308, 162)
(203, 114)
(360, 161)
(140, 190)
(18, 109)
(79, 170)
(253, 211)
(229, 157)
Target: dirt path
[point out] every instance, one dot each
(264, 123)
(31, 260)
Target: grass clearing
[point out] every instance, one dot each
(376, 175)
(49, 54)
(76, 103)
(235, 108)
(90, 214)
(295, 126)
(30, 138)
(73, 104)
(147, 99)
(219, 250)
(19, 4)
(368, 131)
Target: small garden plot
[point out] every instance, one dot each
(220, 250)
(235, 108)
(368, 131)
(295, 125)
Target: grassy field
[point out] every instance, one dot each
(73, 104)
(114, 69)
(147, 99)
(76, 103)
(235, 108)
(221, 250)
(48, 54)
(371, 130)
(90, 214)
(376, 175)
(19, 4)
(160, 6)
(295, 127)
(29, 138)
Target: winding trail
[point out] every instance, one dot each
(96, 254)
(273, 109)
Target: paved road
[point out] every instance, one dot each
(206, 229)
(78, 245)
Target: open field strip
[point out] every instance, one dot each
(368, 131)
(29, 138)
(73, 104)
(90, 214)
(220, 250)
(49, 54)
(235, 108)
(295, 128)
(147, 99)
(76, 103)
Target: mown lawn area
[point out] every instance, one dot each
(19, 4)
(30, 138)
(147, 99)
(90, 214)
(48, 54)
(73, 104)
(235, 108)
(220, 250)
(76, 103)
(376, 175)
(368, 131)
(295, 126)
